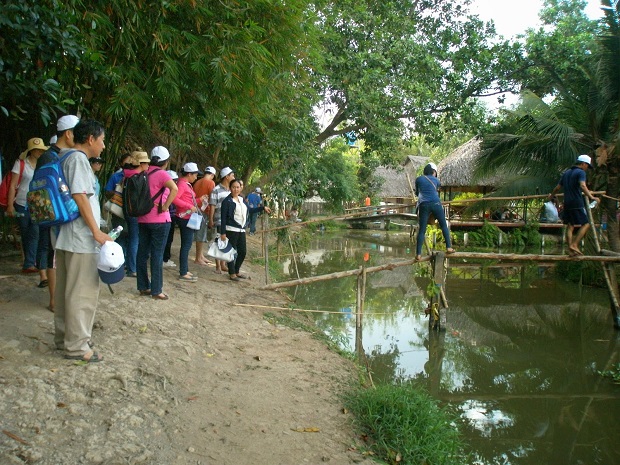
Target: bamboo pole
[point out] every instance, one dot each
(456, 255)
(608, 271)
(343, 274)
(519, 197)
(266, 247)
(293, 252)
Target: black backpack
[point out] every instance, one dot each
(137, 200)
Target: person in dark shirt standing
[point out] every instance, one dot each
(573, 182)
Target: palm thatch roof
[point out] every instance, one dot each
(394, 180)
(457, 169)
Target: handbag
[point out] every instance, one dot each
(195, 221)
(196, 218)
(222, 250)
(114, 204)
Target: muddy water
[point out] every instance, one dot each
(517, 361)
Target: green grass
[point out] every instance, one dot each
(405, 426)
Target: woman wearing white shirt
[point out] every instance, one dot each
(17, 205)
(235, 215)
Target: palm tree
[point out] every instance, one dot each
(538, 140)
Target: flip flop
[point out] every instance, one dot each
(43, 283)
(161, 296)
(242, 276)
(233, 278)
(145, 292)
(575, 252)
(418, 258)
(189, 279)
(450, 250)
(94, 357)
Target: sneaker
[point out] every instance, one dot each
(170, 264)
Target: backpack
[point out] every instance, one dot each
(6, 185)
(137, 200)
(49, 200)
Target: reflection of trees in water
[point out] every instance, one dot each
(534, 366)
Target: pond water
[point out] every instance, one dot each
(517, 359)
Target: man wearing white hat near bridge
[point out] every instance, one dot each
(573, 181)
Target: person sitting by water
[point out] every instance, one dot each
(427, 190)
(549, 213)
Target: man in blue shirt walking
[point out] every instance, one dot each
(573, 181)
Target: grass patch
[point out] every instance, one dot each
(404, 425)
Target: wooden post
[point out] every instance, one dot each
(359, 310)
(437, 316)
(265, 220)
(610, 274)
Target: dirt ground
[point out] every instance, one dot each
(194, 380)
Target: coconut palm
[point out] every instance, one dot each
(538, 140)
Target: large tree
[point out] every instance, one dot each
(393, 69)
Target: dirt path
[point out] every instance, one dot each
(193, 380)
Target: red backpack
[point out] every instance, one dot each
(6, 185)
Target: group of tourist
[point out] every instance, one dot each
(66, 256)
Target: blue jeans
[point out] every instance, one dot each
(132, 243)
(128, 240)
(152, 242)
(253, 217)
(187, 238)
(30, 236)
(424, 211)
(43, 249)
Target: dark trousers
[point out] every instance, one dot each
(152, 242)
(167, 253)
(187, 238)
(237, 240)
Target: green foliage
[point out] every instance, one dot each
(405, 426)
(526, 236)
(613, 373)
(392, 68)
(333, 175)
(486, 236)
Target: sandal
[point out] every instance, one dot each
(93, 357)
(242, 276)
(233, 277)
(450, 250)
(161, 296)
(188, 278)
(418, 258)
(145, 292)
(43, 283)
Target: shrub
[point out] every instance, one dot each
(406, 426)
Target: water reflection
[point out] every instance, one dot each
(518, 359)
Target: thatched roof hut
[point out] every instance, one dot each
(456, 171)
(396, 186)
